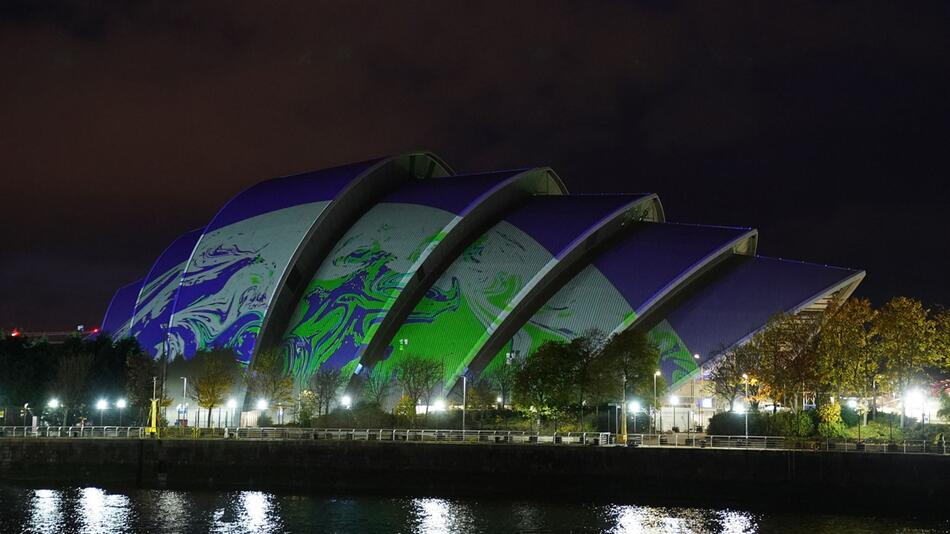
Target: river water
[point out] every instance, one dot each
(94, 510)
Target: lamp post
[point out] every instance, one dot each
(745, 378)
(120, 404)
(262, 407)
(693, 390)
(232, 404)
(464, 399)
(101, 405)
(634, 409)
(53, 404)
(184, 395)
(655, 406)
(674, 400)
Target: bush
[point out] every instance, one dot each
(793, 425)
(850, 416)
(830, 424)
(733, 424)
(264, 420)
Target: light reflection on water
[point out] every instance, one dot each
(93, 510)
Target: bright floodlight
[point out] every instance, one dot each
(232, 404)
(262, 404)
(101, 404)
(739, 408)
(656, 373)
(695, 356)
(439, 405)
(120, 404)
(852, 404)
(634, 406)
(53, 403)
(499, 400)
(674, 399)
(745, 376)
(346, 401)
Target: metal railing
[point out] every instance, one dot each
(782, 443)
(521, 437)
(72, 432)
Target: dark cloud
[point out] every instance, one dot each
(821, 123)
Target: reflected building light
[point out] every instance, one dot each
(433, 515)
(733, 522)
(630, 520)
(102, 512)
(172, 506)
(46, 511)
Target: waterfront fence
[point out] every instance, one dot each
(516, 437)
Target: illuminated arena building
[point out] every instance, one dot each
(354, 266)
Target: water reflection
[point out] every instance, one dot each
(248, 511)
(46, 513)
(101, 512)
(95, 510)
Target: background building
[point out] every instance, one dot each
(355, 266)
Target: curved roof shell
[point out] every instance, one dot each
(356, 266)
(374, 265)
(245, 253)
(646, 265)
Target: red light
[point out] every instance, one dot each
(15, 333)
(95, 330)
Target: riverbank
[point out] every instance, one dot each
(801, 479)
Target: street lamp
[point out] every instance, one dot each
(120, 404)
(262, 405)
(101, 405)
(674, 400)
(634, 409)
(346, 401)
(184, 396)
(655, 405)
(232, 404)
(745, 378)
(692, 388)
(53, 404)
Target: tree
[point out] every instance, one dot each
(324, 384)
(586, 352)
(418, 376)
(847, 361)
(140, 371)
(942, 339)
(626, 365)
(906, 343)
(544, 383)
(504, 376)
(267, 378)
(944, 411)
(787, 346)
(377, 386)
(727, 373)
(216, 374)
(308, 408)
(71, 382)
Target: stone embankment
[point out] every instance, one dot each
(771, 478)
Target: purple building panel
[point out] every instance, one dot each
(238, 262)
(740, 298)
(154, 305)
(119, 313)
(556, 222)
(654, 257)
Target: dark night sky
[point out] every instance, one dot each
(824, 124)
